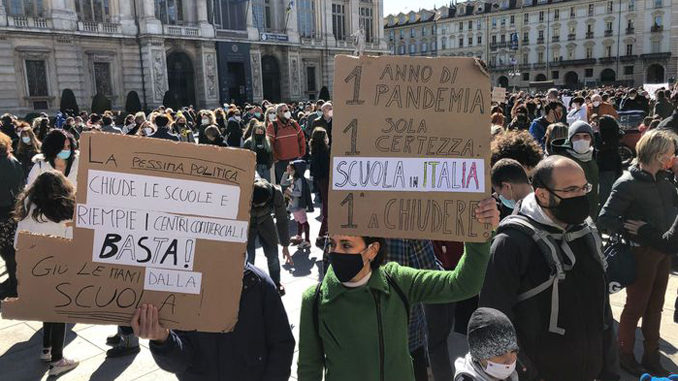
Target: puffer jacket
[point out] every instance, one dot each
(637, 195)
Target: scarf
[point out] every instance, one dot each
(583, 157)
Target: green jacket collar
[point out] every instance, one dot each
(332, 287)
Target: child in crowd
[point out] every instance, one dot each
(493, 348)
(299, 193)
(46, 207)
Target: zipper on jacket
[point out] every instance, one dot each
(377, 302)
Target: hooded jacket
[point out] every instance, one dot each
(467, 369)
(259, 215)
(587, 162)
(259, 348)
(561, 338)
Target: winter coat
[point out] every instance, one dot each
(663, 108)
(603, 109)
(637, 195)
(363, 331)
(259, 215)
(164, 133)
(321, 122)
(637, 104)
(264, 156)
(467, 369)
(46, 227)
(234, 133)
(259, 348)
(13, 181)
(26, 159)
(670, 123)
(288, 140)
(518, 265)
(320, 164)
(538, 130)
(40, 165)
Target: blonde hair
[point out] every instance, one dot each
(210, 115)
(653, 144)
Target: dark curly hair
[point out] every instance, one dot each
(516, 145)
(51, 196)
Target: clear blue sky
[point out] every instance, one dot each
(396, 6)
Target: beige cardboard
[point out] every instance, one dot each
(401, 108)
(58, 281)
(499, 94)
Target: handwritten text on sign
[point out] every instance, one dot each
(162, 194)
(408, 174)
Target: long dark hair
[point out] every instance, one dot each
(54, 143)
(52, 197)
(318, 143)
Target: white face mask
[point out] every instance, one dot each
(596, 104)
(272, 117)
(148, 131)
(581, 146)
(500, 371)
(237, 118)
(330, 113)
(288, 115)
(205, 121)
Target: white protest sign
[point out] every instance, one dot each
(126, 190)
(408, 174)
(499, 94)
(185, 282)
(651, 88)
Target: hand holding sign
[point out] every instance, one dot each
(146, 325)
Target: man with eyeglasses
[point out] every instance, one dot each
(547, 275)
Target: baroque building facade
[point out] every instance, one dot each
(567, 43)
(200, 52)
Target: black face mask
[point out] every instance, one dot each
(346, 266)
(572, 211)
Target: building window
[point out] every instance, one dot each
(541, 35)
(367, 22)
(589, 28)
(461, 26)
(480, 39)
(412, 33)
(170, 12)
(503, 38)
(608, 51)
(461, 42)
(494, 39)
(503, 21)
(339, 21)
(526, 76)
(230, 14)
(572, 12)
(413, 48)
(443, 43)
(494, 22)
(541, 16)
(588, 73)
(525, 58)
(93, 10)
(25, 8)
(570, 54)
(658, 3)
(36, 77)
(656, 46)
(610, 6)
(513, 19)
(628, 70)
(306, 20)
(540, 57)
(423, 31)
(424, 47)
(590, 9)
(629, 49)
(102, 78)
(556, 14)
(555, 74)
(589, 53)
(556, 56)
(470, 25)
(526, 18)
(470, 41)
(401, 50)
(632, 5)
(608, 27)
(479, 24)
(658, 22)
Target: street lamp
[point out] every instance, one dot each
(515, 72)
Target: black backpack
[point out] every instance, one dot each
(621, 264)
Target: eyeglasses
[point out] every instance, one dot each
(586, 189)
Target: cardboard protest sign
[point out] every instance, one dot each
(155, 222)
(652, 88)
(410, 147)
(499, 94)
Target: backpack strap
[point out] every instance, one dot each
(316, 319)
(548, 247)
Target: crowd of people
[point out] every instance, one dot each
(533, 301)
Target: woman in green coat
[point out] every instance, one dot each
(354, 324)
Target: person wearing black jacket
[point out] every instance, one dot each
(320, 170)
(234, 131)
(163, 132)
(7, 127)
(563, 318)
(671, 123)
(634, 102)
(260, 347)
(13, 181)
(608, 159)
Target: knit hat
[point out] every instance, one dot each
(579, 127)
(490, 334)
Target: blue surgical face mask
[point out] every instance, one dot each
(26, 139)
(511, 204)
(64, 154)
(257, 114)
